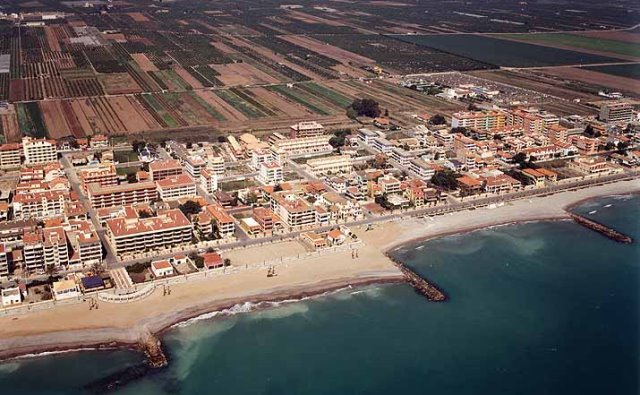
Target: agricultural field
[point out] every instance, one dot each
(600, 81)
(150, 67)
(505, 53)
(402, 56)
(578, 42)
(630, 70)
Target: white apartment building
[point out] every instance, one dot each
(367, 135)
(209, 180)
(307, 129)
(130, 235)
(421, 169)
(37, 151)
(4, 262)
(84, 242)
(293, 210)
(302, 146)
(485, 120)
(176, 187)
(216, 164)
(260, 156)
(381, 144)
(10, 156)
(45, 247)
(401, 156)
(330, 165)
(616, 112)
(194, 166)
(39, 204)
(271, 173)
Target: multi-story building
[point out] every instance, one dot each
(400, 156)
(367, 135)
(330, 165)
(37, 151)
(389, 184)
(122, 195)
(421, 169)
(590, 165)
(86, 248)
(307, 129)
(223, 223)
(265, 218)
(271, 173)
(164, 168)
(500, 184)
(104, 174)
(444, 138)
(39, 204)
(260, 156)
(10, 156)
(616, 112)
(302, 146)
(381, 144)
(216, 164)
(99, 141)
(292, 210)
(44, 248)
(168, 228)
(209, 180)
(485, 120)
(194, 166)
(532, 120)
(4, 261)
(584, 144)
(175, 187)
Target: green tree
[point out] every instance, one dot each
(437, 119)
(445, 179)
(190, 207)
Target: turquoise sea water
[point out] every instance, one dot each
(540, 308)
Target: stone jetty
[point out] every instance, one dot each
(422, 286)
(152, 348)
(602, 229)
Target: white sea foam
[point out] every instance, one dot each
(593, 211)
(608, 205)
(9, 367)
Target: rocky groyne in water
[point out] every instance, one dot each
(419, 284)
(602, 229)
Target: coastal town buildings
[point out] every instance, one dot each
(121, 195)
(38, 151)
(176, 187)
(166, 229)
(616, 112)
(307, 129)
(164, 168)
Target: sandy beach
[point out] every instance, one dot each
(75, 326)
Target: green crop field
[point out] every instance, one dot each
(299, 96)
(208, 108)
(30, 120)
(578, 42)
(328, 94)
(241, 105)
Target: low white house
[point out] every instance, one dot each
(65, 289)
(162, 268)
(11, 296)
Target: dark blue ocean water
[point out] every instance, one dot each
(540, 308)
